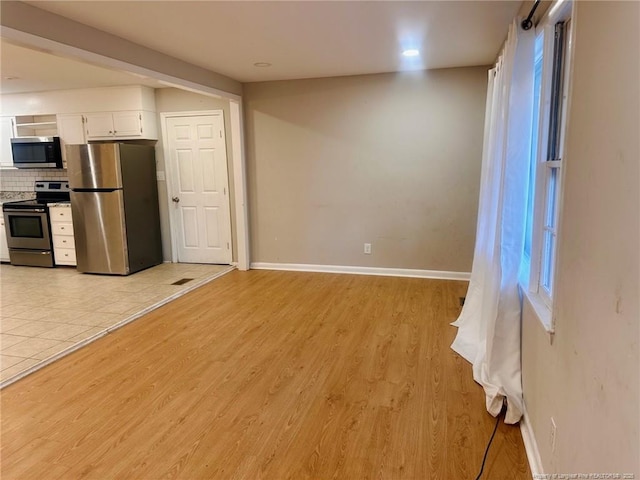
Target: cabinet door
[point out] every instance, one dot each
(127, 124)
(6, 133)
(4, 249)
(70, 131)
(99, 125)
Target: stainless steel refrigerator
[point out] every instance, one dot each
(114, 202)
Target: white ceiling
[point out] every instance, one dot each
(303, 39)
(27, 70)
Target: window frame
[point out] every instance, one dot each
(560, 11)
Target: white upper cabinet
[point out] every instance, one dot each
(71, 128)
(121, 125)
(127, 124)
(6, 133)
(99, 125)
(70, 131)
(81, 115)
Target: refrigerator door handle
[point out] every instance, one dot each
(95, 190)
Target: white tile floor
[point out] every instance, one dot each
(46, 313)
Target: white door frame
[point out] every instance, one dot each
(239, 190)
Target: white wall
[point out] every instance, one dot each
(80, 100)
(588, 378)
(390, 159)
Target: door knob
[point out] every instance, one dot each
(175, 199)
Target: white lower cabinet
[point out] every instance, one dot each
(4, 249)
(64, 246)
(6, 134)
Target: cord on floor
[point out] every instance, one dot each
(486, 452)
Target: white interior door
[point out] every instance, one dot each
(200, 184)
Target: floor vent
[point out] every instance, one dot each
(182, 281)
(462, 299)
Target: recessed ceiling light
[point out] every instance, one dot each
(262, 64)
(412, 52)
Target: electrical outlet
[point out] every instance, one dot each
(554, 432)
(367, 249)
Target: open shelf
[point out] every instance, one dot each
(35, 126)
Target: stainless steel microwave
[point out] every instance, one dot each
(36, 152)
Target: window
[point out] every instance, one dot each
(551, 81)
(537, 82)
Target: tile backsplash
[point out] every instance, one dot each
(23, 180)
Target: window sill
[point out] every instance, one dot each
(540, 308)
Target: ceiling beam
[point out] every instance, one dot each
(36, 28)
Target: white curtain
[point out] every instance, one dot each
(489, 325)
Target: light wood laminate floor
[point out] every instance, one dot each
(266, 375)
(45, 313)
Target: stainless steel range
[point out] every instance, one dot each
(28, 226)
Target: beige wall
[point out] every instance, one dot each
(588, 378)
(390, 159)
(176, 100)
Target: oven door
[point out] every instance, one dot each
(27, 229)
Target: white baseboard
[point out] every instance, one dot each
(385, 272)
(530, 445)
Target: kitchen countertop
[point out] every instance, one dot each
(60, 204)
(15, 196)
